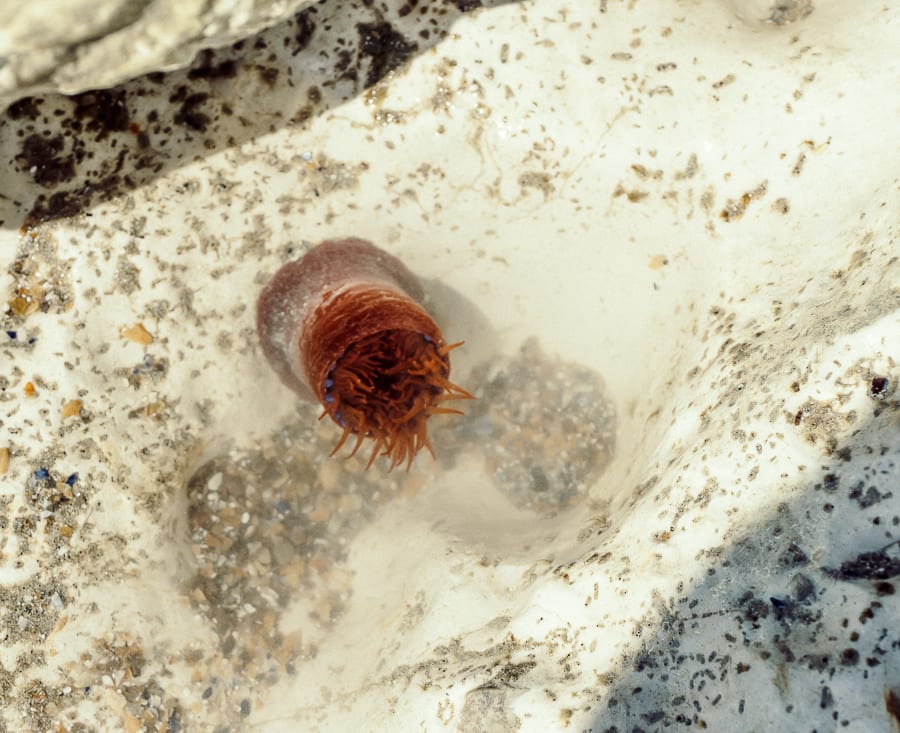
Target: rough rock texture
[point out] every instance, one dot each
(667, 233)
(74, 45)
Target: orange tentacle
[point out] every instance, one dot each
(385, 387)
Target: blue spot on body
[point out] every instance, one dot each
(329, 383)
(42, 474)
(329, 398)
(12, 334)
(72, 479)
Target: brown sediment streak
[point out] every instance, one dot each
(345, 325)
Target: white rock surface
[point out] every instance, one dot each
(685, 214)
(75, 45)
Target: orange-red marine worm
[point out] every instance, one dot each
(345, 325)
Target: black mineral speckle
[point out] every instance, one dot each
(755, 610)
(654, 716)
(878, 388)
(102, 111)
(386, 48)
(869, 566)
(793, 556)
(306, 28)
(206, 68)
(466, 6)
(43, 157)
(57, 206)
(189, 114)
(70, 203)
(844, 454)
(407, 8)
(268, 75)
(869, 497)
(27, 108)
